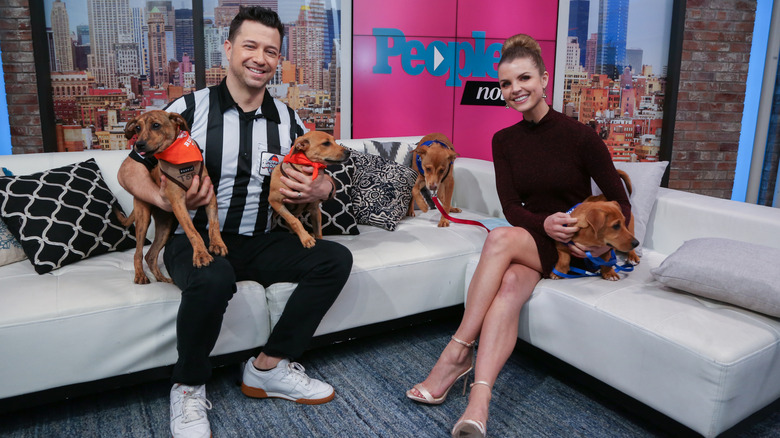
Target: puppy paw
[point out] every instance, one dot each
(201, 259)
(444, 222)
(555, 277)
(163, 279)
(610, 275)
(141, 279)
(218, 249)
(633, 258)
(308, 242)
(455, 210)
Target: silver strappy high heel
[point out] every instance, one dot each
(427, 398)
(471, 428)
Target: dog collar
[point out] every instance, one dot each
(183, 150)
(296, 157)
(419, 160)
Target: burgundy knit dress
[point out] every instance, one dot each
(545, 167)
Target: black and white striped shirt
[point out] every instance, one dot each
(233, 142)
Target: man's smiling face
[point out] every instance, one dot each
(253, 56)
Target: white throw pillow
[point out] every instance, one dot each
(645, 180)
(725, 270)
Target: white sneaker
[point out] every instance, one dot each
(188, 412)
(288, 381)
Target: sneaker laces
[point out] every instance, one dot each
(192, 406)
(297, 372)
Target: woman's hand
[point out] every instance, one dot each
(560, 226)
(301, 189)
(578, 250)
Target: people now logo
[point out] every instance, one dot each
(458, 59)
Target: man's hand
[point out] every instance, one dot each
(198, 195)
(301, 189)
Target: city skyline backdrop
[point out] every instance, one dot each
(126, 57)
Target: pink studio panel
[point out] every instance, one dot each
(504, 18)
(397, 104)
(413, 17)
(474, 126)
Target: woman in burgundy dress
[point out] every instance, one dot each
(543, 167)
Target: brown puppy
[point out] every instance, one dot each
(320, 149)
(600, 223)
(433, 160)
(154, 132)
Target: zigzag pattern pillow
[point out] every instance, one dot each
(394, 151)
(382, 191)
(63, 215)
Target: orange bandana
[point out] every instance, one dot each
(298, 157)
(183, 150)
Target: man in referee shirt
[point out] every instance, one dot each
(240, 126)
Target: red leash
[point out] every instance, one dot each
(457, 221)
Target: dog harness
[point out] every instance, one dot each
(419, 160)
(297, 157)
(592, 264)
(181, 161)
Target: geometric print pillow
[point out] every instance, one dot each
(10, 250)
(395, 151)
(63, 215)
(337, 215)
(381, 191)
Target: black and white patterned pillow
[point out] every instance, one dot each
(337, 213)
(382, 190)
(63, 215)
(394, 151)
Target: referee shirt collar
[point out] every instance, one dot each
(267, 108)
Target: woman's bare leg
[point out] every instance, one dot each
(499, 335)
(504, 247)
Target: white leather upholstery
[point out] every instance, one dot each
(706, 364)
(95, 323)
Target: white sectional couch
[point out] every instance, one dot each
(94, 323)
(704, 363)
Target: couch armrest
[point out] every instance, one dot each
(475, 187)
(678, 216)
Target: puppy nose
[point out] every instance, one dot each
(634, 243)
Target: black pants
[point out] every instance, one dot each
(320, 272)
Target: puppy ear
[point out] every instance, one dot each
(453, 155)
(596, 219)
(130, 128)
(178, 120)
(301, 143)
(421, 150)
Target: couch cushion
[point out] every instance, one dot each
(414, 269)
(108, 325)
(725, 270)
(704, 364)
(63, 215)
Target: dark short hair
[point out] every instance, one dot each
(264, 16)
